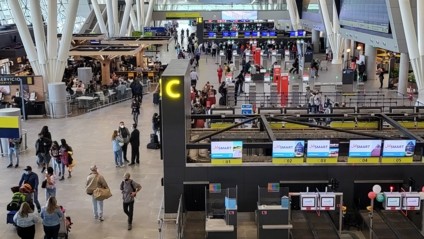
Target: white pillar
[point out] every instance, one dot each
(65, 42)
(99, 17)
(403, 73)
(371, 54)
(138, 11)
(115, 11)
(143, 14)
(26, 38)
(57, 100)
(110, 21)
(149, 13)
(315, 40)
(412, 43)
(133, 19)
(52, 31)
(348, 44)
(294, 14)
(40, 38)
(126, 17)
(332, 30)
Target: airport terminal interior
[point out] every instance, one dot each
(260, 119)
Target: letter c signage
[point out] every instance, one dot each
(169, 89)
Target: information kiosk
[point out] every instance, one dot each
(272, 215)
(221, 212)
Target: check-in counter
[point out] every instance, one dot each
(272, 222)
(222, 228)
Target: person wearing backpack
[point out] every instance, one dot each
(125, 135)
(129, 189)
(31, 178)
(14, 145)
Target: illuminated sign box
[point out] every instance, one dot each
(288, 149)
(247, 34)
(254, 34)
(212, 34)
(226, 152)
(308, 201)
(225, 34)
(318, 148)
(327, 201)
(411, 201)
(399, 148)
(392, 201)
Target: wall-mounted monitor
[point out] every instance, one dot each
(293, 33)
(308, 201)
(274, 187)
(212, 34)
(234, 34)
(399, 148)
(226, 149)
(254, 34)
(264, 33)
(288, 149)
(301, 33)
(247, 34)
(365, 148)
(225, 34)
(272, 34)
(318, 148)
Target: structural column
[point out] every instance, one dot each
(149, 13)
(139, 58)
(403, 73)
(105, 71)
(294, 14)
(371, 54)
(315, 40)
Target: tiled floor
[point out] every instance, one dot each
(89, 135)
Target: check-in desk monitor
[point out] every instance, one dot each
(221, 213)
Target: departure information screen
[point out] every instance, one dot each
(365, 14)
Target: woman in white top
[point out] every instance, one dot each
(51, 184)
(25, 221)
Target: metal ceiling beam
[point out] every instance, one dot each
(399, 127)
(225, 129)
(329, 128)
(268, 129)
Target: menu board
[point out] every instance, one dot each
(399, 148)
(288, 152)
(226, 152)
(365, 148)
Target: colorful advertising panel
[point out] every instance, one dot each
(288, 149)
(399, 148)
(318, 148)
(226, 152)
(365, 148)
(247, 34)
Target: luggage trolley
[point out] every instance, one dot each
(65, 225)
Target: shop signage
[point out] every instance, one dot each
(15, 80)
(226, 152)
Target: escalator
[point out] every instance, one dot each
(308, 225)
(390, 225)
(401, 225)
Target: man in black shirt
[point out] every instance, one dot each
(135, 145)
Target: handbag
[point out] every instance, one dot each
(101, 194)
(44, 183)
(121, 144)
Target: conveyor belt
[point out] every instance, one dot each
(322, 226)
(380, 228)
(301, 229)
(401, 225)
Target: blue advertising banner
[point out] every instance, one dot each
(399, 148)
(288, 149)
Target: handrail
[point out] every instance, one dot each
(160, 218)
(179, 221)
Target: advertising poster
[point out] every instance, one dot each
(399, 148)
(288, 152)
(365, 148)
(226, 152)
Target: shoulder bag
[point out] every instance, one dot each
(101, 194)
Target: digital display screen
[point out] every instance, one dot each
(393, 201)
(327, 202)
(300, 33)
(226, 149)
(225, 34)
(212, 34)
(288, 149)
(399, 148)
(412, 202)
(365, 14)
(238, 15)
(254, 34)
(272, 34)
(264, 34)
(308, 201)
(247, 34)
(233, 34)
(365, 148)
(293, 33)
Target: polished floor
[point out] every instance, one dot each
(90, 136)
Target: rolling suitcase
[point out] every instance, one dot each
(156, 98)
(154, 142)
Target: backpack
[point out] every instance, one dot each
(17, 199)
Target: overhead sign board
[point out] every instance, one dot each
(226, 152)
(288, 152)
(399, 148)
(365, 148)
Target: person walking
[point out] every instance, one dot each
(129, 189)
(135, 145)
(194, 77)
(135, 110)
(51, 183)
(48, 138)
(32, 179)
(220, 71)
(55, 154)
(65, 152)
(95, 180)
(42, 147)
(381, 76)
(117, 144)
(51, 215)
(156, 123)
(25, 220)
(14, 145)
(125, 135)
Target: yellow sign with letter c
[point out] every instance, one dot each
(169, 89)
